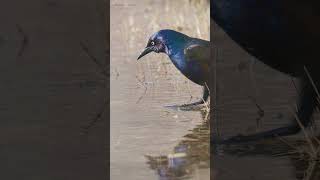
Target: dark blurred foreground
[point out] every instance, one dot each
(251, 97)
(52, 90)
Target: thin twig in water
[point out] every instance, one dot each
(317, 92)
(260, 111)
(288, 144)
(94, 59)
(24, 41)
(308, 139)
(312, 82)
(95, 120)
(145, 89)
(144, 93)
(294, 85)
(309, 172)
(105, 73)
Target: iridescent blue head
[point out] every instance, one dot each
(165, 41)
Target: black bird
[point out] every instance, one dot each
(190, 55)
(284, 34)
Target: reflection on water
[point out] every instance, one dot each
(302, 155)
(192, 151)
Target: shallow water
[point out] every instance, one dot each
(148, 140)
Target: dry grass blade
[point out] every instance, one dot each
(309, 172)
(312, 82)
(308, 139)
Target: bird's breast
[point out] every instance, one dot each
(189, 69)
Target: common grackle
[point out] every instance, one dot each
(190, 55)
(284, 34)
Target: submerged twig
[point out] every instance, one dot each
(94, 59)
(260, 111)
(313, 84)
(24, 41)
(105, 73)
(145, 89)
(95, 120)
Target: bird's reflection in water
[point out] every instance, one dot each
(192, 153)
(304, 155)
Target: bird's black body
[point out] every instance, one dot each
(284, 34)
(190, 55)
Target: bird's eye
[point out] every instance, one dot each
(152, 43)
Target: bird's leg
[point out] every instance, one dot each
(306, 105)
(192, 106)
(202, 100)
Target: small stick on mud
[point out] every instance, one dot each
(294, 85)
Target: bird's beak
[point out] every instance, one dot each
(146, 51)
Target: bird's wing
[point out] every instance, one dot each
(199, 51)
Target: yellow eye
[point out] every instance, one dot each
(152, 43)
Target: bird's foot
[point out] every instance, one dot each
(197, 103)
(232, 140)
(188, 107)
(240, 139)
(235, 139)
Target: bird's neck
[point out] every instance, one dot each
(176, 45)
(175, 50)
(177, 58)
